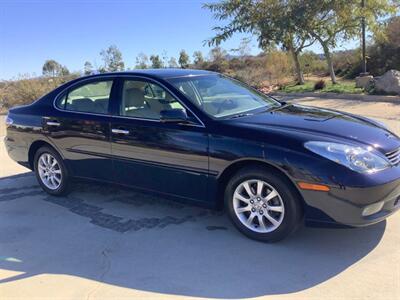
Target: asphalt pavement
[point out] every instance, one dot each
(108, 242)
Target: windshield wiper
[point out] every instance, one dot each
(272, 108)
(240, 115)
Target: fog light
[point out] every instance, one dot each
(372, 208)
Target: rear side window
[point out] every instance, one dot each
(93, 97)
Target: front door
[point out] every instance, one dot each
(162, 157)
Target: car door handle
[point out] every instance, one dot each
(52, 123)
(120, 131)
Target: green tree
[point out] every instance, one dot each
(142, 61)
(156, 62)
(172, 63)
(198, 58)
(244, 48)
(164, 58)
(384, 53)
(64, 71)
(183, 59)
(88, 68)
(332, 21)
(218, 61)
(217, 54)
(51, 68)
(112, 58)
(272, 21)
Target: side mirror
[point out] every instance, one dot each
(175, 115)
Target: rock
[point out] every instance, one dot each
(362, 81)
(370, 86)
(388, 83)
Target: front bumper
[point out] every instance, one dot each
(350, 205)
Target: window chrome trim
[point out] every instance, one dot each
(122, 76)
(60, 94)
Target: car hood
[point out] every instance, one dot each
(325, 122)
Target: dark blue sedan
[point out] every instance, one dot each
(207, 139)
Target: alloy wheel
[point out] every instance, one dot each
(258, 206)
(49, 171)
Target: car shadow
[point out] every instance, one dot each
(166, 247)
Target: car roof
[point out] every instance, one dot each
(160, 73)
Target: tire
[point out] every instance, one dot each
(280, 215)
(58, 171)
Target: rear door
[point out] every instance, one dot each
(163, 157)
(81, 128)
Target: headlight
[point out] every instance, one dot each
(9, 121)
(359, 159)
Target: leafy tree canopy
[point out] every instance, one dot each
(156, 62)
(183, 59)
(88, 68)
(51, 68)
(198, 58)
(112, 58)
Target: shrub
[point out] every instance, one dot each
(312, 63)
(319, 85)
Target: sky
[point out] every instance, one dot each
(72, 32)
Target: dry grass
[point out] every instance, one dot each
(344, 86)
(25, 90)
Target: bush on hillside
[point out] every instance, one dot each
(319, 85)
(25, 89)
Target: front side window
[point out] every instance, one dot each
(219, 96)
(142, 99)
(93, 97)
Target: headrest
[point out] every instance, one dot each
(83, 104)
(134, 97)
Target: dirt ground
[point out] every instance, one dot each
(102, 242)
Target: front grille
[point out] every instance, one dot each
(394, 156)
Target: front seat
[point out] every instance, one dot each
(135, 104)
(157, 104)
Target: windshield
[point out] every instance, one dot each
(219, 96)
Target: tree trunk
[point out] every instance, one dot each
(299, 73)
(330, 63)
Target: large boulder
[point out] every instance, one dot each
(362, 81)
(388, 83)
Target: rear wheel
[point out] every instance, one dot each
(262, 205)
(51, 172)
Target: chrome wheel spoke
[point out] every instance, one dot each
(241, 198)
(274, 222)
(57, 171)
(276, 208)
(247, 188)
(250, 219)
(261, 222)
(271, 195)
(52, 182)
(260, 186)
(43, 161)
(243, 209)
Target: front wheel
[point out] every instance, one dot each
(51, 172)
(262, 205)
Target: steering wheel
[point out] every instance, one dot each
(221, 105)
